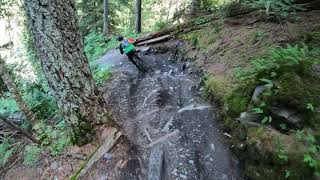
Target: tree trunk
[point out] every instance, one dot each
(106, 18)
(138, 17)
(194, 7)
(8, 81)
(59, 45)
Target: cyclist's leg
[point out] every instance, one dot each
(131, 58)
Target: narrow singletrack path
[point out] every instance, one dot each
(163, 107)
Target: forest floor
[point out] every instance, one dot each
(166, 107)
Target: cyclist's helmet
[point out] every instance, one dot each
(120, 38)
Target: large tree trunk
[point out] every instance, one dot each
(59, 45)
(8, 81)
(106, 18)
(138, 17)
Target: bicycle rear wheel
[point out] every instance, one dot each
(142, 66)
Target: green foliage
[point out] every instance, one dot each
(279, 8)
(200, 20)
(281, 151)
(311, 155)
(7, 149)
(310, 107)
(277, 61)
(31, 155)
(204, 37)
(97, 44)
(160, 25)
(8, 105)
(101, 74)
(258, 36)
(55, 138)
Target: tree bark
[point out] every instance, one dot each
(106, 17)
(10, 84)
(59, 45)
(138, 17)
(194, 7)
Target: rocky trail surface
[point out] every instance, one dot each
(163, 108)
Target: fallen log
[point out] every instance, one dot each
(19, 129)
(155, 40)
(193, 24)
(107, 144)
(178, 27)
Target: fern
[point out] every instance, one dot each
(32, 155)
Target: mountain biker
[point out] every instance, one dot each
(129, 49)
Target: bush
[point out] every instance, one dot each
(279, 60)
(31, 155)
(160, 25)
(7, 149)
(96, 45)
(100, 75)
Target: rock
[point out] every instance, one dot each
(174, 172)
(17, 117)
(212, 147)
(224, 177)
(183, 176)
(228, 135)
(191, 161)
(249, 117)
(144, 49)
(257, 92)
(107, 156)
(54, 165)
(287, 115)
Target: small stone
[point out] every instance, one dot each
(211, 159)
(191, 161)
(180, 164)
(54, 165)
(120, 63)
(183, 176)
(174, 172)
(213, 148)
(228, 135)
(182, 156)
(224, 177)
(107, 156)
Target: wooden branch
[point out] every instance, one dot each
(22, 131)
(155, 40)
(108, 143)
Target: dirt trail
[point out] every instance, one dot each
(163, 107)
